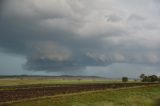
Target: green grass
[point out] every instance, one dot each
(123, 97)
(30, 81)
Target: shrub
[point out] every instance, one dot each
(124, 79)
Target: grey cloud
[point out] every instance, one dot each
(57, 35)
(158, 1)
(136, 17)
(113, 18)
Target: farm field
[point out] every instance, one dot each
(26, 92)
(141, 96)
(30, 90)
(35, 81)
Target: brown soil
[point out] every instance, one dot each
(25, 92)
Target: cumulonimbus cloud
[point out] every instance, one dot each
(57, 35)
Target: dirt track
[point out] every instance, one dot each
(24, 92)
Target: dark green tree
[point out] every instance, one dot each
(142, 76)
(153, 78)
(124, 79)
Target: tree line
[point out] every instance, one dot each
(149, 78)
(145, 78)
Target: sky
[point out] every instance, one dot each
(109, 38)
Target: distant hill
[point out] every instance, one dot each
(54, 77)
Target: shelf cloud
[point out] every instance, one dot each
(62, 35)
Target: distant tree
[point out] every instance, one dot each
(147, 79)
(153, 78)
(135, 80)
(124, 79)
(142, 76)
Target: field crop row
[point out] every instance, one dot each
(21, 93)
(137, 96)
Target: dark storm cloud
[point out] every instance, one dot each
(59, 35)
